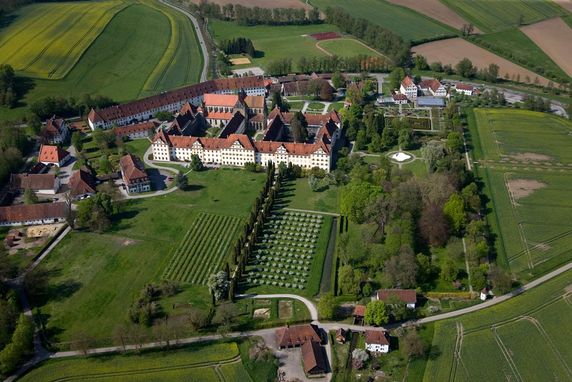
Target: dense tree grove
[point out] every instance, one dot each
(238, 45)
(13, 144)
(372, 34)
(256, 15)
(8, 90)
(96, 212)
(69, 107)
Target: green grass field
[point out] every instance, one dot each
(526, 166)
(299, 195)
(409, 24)
(146, 48)
(94, 278)
(494, 16)
(46, 40)
(526, 338)
(347, 47)
(203, 249)
(274, 42)
(205, 362)
(517, 47)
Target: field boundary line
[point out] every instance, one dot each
(311, 211)
(506, 353)
(551, 344)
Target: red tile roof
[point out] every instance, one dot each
(462, 86)
(408, 296)
(34, 182)
(407, 81)
(53, 127)
(218, 115)
(359, 311)
(123, 131)
(378, 337)
(313, 358)
(174, 96)
(399, 97)
(297, 335)
(29, 212)
(291, 148)
(52, 154)
(132, 168)
(82, 182)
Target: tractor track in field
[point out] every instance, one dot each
(549, 341)
(506, 354)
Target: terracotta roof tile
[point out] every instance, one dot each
(297, 335)
(34, 182)
(133, 169)
(408, 296)
(313, 358)
(29, 212)
(378, 337)
(82, 182)
(122, 131)
(52, 154)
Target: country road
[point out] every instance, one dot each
(199, 36)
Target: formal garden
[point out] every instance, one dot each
(286, 249)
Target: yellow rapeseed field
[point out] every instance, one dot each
(47, 40)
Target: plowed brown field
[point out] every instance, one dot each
(566, 4)
(436, 10)
(453, 50)
(554, 37)
(262, 3)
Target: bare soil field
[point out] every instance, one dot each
(553, 36)
(436, 10)
(566, 4)
(531, 157)
(451, 51)
(521, 188)
(240, 61)
(262, 3)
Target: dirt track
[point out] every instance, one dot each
(451, 51)
(436, 10)
(554, 37)
(262, 3)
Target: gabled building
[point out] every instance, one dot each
(408, 88)
(171, 101)
(294, 336)
(31, 214)
(406, 296)
(399, 99)
(219, 109)
(53, 155)
(376, 341)
(137, 130)
(82, 184)
(314, 359)
(133, 174)
(56, 131)
(464, 88)
(48, 184)
(433, 87)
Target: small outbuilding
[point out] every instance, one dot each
(341, 335)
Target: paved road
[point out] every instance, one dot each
(199, 36)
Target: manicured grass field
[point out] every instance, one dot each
(194, 363)
(94, 278)
(274, 42)
(347, 47)
(516, 46)
(297, 194)
(203, 249)
(526, 166)
(494, 16)
(146, 48)
(403, 21)
(526, 338)
(46, 40)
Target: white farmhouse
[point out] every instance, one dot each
(408, 88)
(376, 341)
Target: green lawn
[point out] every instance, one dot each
(533, 230)
(335, 106)
(494, 15)
(528, 335)
(274, 42)
(146, 48)
(299, 195)
(517, 47)
(94, 278)
(193, 363)
(138, 147)
(403, 21)
(347, 47)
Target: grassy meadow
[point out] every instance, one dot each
(409, 24)
(93, 278)
(526, 167)
(494, 16)
(526, 338)
(204, 362)
(347, 47)
(144, 49)
(47, 40)
(273, 42)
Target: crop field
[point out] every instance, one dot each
(436, 10)
(46, 40)
(262, 3)
(494, 16)
(286, 250)
(347, 47)
(91, 279)
(203, 249)
(518, 47)
(216, 362)
(452, 51)
(526, 164)
(409, 24)
(551, 36)
(566, 4)
(274, 42)
(524, 339)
